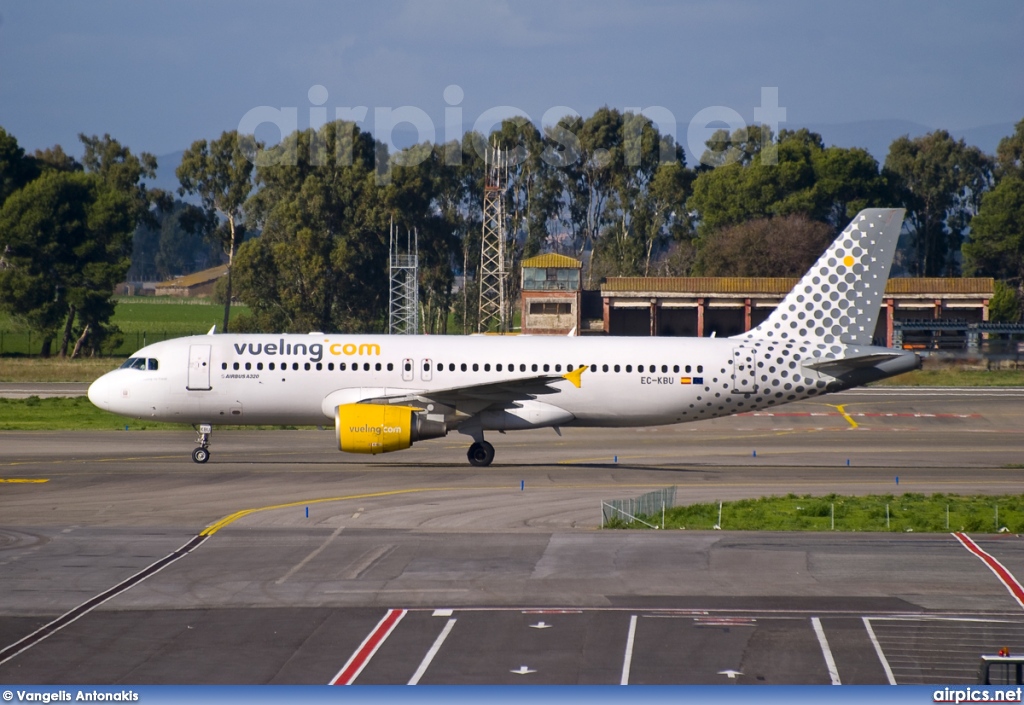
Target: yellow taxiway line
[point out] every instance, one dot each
(841, 408)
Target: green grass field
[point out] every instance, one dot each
(178, 316)
(142, 320)
(62, 414)
(956, 378)
(893, 513)
(78, 414)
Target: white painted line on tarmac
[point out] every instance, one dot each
(833, 672)
(401, 591)
(425, 663)
(878, 650)
(1007, 578)
(316, 551)
(628, 659)
(358, 660)
(935, 392)
(9, 652)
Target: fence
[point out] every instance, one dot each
(650, 505)
(28, 343)
(910, 512)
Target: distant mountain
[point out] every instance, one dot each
(876, 135)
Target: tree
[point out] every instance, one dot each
(119, 169)
(67, 242)
(742, 146)
(320, 263)
(1010, 154)
(940, 181)
(220, 173)
(996, 244)
(56, 159)
(16, 169)
(785, 246)
(825, 184)
(1005, 305)
(174, 245)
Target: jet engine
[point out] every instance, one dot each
(380, 428)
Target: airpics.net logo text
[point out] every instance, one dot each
(315, 351)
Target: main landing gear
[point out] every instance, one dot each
(202, 453)
(480, 454)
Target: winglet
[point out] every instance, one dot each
(575, 375)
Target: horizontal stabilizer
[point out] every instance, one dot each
(852, 363)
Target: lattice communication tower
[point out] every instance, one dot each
(403, 307)
(493, 274)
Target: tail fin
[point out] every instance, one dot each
(837, 301)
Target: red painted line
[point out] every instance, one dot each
(1005, 576)
(357, 662)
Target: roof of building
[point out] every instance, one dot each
(780, 286)
(194, 279)
(941, 285)
(552, 260)
(701, 285)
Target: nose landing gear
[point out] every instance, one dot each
(202, 453)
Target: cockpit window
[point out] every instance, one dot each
(139, 363)
(152, 364)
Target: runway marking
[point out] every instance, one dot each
(878, 650)
(841, 408)
(9, 652)
(394, 590)
(307, 559)
(724, 622)
(1004, 575)
(373, 641)
(627, 660)
(367, 560)
(833, 672)
(859, 414)
(231, 518)
(425, 663)
(22, 480)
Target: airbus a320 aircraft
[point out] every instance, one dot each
(385, 393)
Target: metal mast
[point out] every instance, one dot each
(403, 308)
(493, 285)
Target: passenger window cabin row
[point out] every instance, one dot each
(452, 367)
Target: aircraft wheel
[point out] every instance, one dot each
(200, 455)
(480, 454)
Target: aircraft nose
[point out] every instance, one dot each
(99, 392)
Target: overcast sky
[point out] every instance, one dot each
(158, 75)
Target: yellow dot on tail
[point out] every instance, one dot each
(848, 260)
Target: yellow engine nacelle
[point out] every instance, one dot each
(379, 428)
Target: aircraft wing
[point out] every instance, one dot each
(474, 398)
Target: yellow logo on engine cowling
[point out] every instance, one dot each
(373, 428)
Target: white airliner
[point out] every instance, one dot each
(385, 393)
